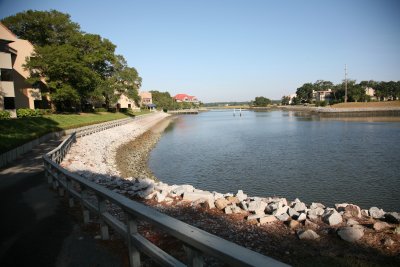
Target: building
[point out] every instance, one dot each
(369, 91)
(291, 96)
(323, 95)
(15, 92)
(186, 98)
(126, 102)
(146, 98)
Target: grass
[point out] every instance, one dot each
(16, 132)
(368, 104)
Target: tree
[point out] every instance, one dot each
(42, 27)
(285, 100)
(163, 100)
(261, 101)
(305, 93)
(80, 67)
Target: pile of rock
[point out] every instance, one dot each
(307, 219)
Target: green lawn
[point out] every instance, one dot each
(16, 132)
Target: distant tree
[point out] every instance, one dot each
(285, 100)
(305, 93)
(321, 85)
(261, 101)
(163, 100)
(295, 101)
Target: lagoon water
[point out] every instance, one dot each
(284, 154)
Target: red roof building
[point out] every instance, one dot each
(185, 98)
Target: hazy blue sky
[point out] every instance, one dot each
(236, 50)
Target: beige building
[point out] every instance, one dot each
(125, 102)
(15, 92)
(145, 98)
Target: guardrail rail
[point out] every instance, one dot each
(95, 198)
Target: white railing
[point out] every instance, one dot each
(95, 198)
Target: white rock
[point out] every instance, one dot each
(376, 213)
(193, 196)
(299, 206)
(160, 197)
(301, 217)
(257, 206)
(240, 195)
(281, 210)
(228, 210)
(254, 217)
(283, 217)
(332, 217)
(351, 234)
(183, 189)
(292, 213)
(315, 205)
(307, 234)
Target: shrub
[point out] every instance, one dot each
(123, 110)
(26, 112)
(112, 110)
(100, 110)
(4, 115)
(46, 111)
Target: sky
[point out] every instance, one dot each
(235, 50)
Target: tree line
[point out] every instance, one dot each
(80, 69)
(355, 91)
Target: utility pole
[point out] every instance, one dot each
(345, 83)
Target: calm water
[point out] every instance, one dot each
(279, 154)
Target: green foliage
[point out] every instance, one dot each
(100, 110)
(261, 101)
(26, 112)
(285, 100)
(4, 115)
(42, 28)
(163, 100)
(80, 69)
(321, 103)
(295, 101)
(305, 93)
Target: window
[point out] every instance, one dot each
(9, 103)
(6, 75)
(129, 105)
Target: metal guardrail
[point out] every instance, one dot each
(95, 198)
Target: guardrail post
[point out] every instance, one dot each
(102, 208)
(134, 254)
(85, 211)
(195, 257)
(69, 187)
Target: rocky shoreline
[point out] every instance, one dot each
(112, 159)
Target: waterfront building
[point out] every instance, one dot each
(15, 91)
(186, 98)
(325, 95)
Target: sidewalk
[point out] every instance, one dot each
(36, 229)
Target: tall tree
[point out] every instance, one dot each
(305, 93)
(43, 27)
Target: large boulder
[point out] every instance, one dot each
(193, 196)
(299, 206)
(351, 234)
(332, 217)
(352, 211)
(307, 234)
(240, 195)
(315, 205)
(376, 213)
(257, 206)
(283, 217)
(221, 203)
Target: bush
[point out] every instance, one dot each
(123, 110)
(46, 111)
(100, 110)
(26, 112)
(4, 115)
(113, 110)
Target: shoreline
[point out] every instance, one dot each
(291, 220)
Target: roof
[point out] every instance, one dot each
(145, 94)
(181, 96)
(151, 105)
(6, 34)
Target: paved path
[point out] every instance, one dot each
(36, 229)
